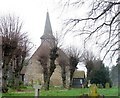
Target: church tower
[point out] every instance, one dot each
(48, 34)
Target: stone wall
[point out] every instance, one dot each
(33, 72)
(56, 78)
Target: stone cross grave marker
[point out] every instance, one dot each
(37, 89)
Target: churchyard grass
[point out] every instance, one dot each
(29, 91)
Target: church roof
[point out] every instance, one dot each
(48, 29)
(79, 74)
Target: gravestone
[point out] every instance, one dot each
(89, 84)
(92, 93)
(98, 85)
(93, 90)
(37, 90)
(31, 82)
(107, 85)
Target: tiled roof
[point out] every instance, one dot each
(79, 74)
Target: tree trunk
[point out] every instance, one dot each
(53, 55)
(6, 61)
(17, 68)
(17, 80)
(4, 80)
(63, 76)
(71, 77)
(88, 77)
(68, 80)
(47, 83)
(51, 70)
(45, 72)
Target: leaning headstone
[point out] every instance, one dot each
(107, 85)
(37, 90)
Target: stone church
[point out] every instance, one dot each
(34, 70)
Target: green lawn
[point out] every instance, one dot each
(62, 92)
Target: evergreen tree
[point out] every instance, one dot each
(100, 76)
(114, 75)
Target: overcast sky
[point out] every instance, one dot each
(33, 15)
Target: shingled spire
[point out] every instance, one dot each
(48, 35)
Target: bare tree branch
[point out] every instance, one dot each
(102, 21)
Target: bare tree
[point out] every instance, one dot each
(88, 59)
(102, 20)
(63, 61)
(73, 55)
(63, 70)
(18, 60)
(53, 55)
(14, 46)
(44, 59)
(47, 59)
(48, 70)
